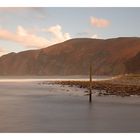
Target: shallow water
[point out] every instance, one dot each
(29, 107)
(50, 78)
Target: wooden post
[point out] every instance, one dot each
(90, 83)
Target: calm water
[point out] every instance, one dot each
(50, 78)
(25, 107)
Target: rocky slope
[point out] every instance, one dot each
(72, 57)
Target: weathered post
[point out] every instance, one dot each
(90, 83)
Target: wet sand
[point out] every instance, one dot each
(33, 107)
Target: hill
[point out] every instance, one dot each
(72, 57)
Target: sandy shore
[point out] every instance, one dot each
(36, 107)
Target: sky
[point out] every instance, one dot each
(34, 28)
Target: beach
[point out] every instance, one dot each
(30, 106)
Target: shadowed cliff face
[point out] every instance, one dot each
(133, 64)
(72, 57)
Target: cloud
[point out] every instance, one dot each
(10, 9)
(95, 36)
(83, 34)
(30, 40)
(58, 34)
(24, 38)
(21, 9)
(18, 10)
(99, 22)
(37, 12)
(3, 51)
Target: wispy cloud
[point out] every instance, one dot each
(30, 40)
(24, 38)
(3, 51)
(38, 12)
(16, 10)
(99, 22)
(21, 9)
(83, 34)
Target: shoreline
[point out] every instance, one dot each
(121, 86)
